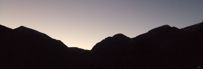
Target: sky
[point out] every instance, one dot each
(83, 23)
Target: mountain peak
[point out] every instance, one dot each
(117, 41)
(161, 27)
(120, 35)
(22, 28)
(29, 31)
(164, 28)
(25, 29)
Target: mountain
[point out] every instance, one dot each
(164, 47)
(25, 48)
(112, 52)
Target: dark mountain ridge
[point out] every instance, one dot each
(164, 47)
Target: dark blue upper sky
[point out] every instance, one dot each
(83, 23)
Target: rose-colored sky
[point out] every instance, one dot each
(83, 23)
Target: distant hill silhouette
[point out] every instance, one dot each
(164, 47)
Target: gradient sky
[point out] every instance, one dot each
(83, 23)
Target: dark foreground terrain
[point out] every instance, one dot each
(164, 47)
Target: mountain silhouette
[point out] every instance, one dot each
(164, 47)
(25, 48)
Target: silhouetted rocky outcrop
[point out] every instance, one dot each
(164, 47)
